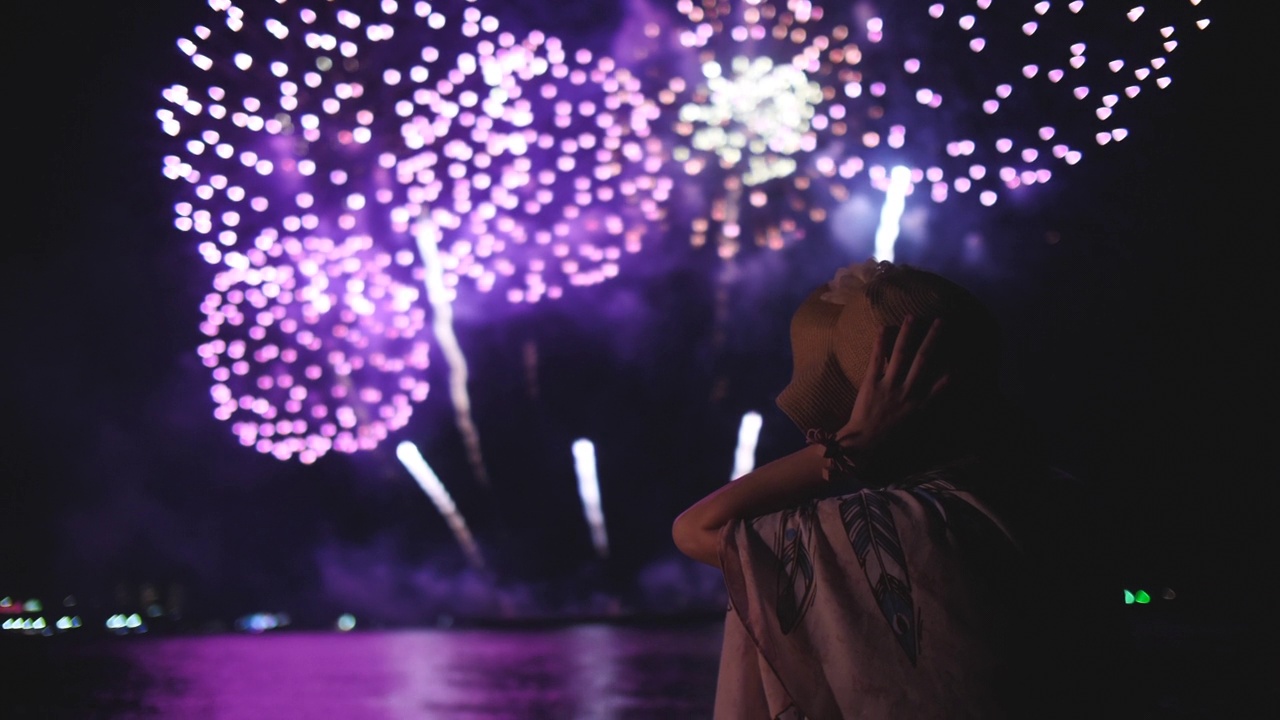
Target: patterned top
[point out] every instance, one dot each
(918, 601)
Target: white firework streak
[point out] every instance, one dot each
(744, 456)
(891, 213)
(442, 323)
(584, 464)
(792, 109)
(412, 459)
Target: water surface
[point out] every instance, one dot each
(1194, 671)
(587, 672)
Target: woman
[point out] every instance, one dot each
(917, 559)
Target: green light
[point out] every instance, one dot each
(1142, 597)
(1128, 598)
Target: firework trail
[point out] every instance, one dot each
(413, 461)
(744, 456)
(891, 212)
(584, 463)
(442, 324)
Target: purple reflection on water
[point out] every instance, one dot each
(591, 672)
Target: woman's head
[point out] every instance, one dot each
(834, 329)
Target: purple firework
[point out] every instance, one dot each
(535, 164)
(318, 148)
(284, 174)
(790, 105)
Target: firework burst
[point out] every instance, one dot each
(284, 176)
(535, 164)
(795, 106)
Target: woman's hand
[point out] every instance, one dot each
(896, 388)
(893, 392)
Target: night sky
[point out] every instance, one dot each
(1135, 290)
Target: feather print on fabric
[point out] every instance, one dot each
(930, 494)
(869, 522)
(795, 568)
(960, 516)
